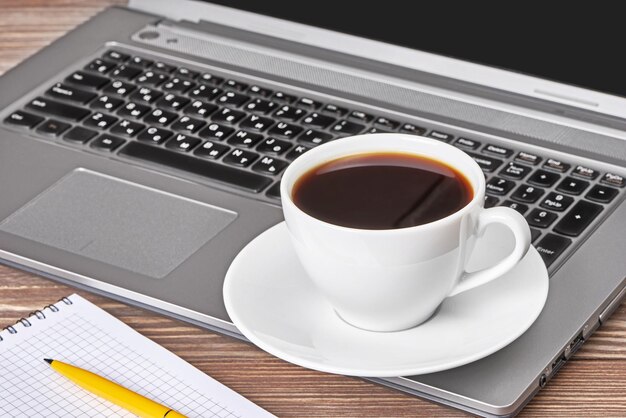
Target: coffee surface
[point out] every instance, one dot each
(382, 191)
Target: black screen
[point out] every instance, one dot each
(581, 46)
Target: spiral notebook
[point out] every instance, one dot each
(77, 332)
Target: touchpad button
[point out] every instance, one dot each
(125, 224)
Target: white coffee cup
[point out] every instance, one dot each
(394, 279)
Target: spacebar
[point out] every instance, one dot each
(225, 174)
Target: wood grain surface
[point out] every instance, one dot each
(593, 383)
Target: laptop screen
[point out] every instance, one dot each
(575, 46)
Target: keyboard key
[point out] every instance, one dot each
(282, 97)
(151, 78)
(209, 169)
(499, 186)
(385, 123)
(115, 56)
(133, 110)
(260, 91)
(160, 117)
(296, 152)
(235, 85)
(182, 142)
(467, 143)
(269, 165)
(227, 115)
(317, 120)
(613, 180)
(498, 150)
(307, 103)
(100, 121)
(602, 194)
(490, 201)
(557, 201)
(146, 95)
(216, 131)
(346, 127)
(245, 139)
(261, 106)
(578, 218)
(230, 98)
(79, 134)
(487, 164)
(515, 171)
(556, 165)
(205, 92)
(184, 72)
(541, 218)
(334, 110)
(81, 78)
(361, 117)
(106, 102)
(551, 247)
(141, 62)
(528, 158)
(409, 128)
(58, 109)
(100, 66)
(520, 207)
(240, 158)
(188, 124)
(107, 142)
(375, 130)
(127, 128)
(274, 191)
(126, 72)
(163, 67)
(23, 119)
(441, 136)
(256, 123)
(213, 80)
(154, 135)
(527, 194)
(172, 101)
(289, 113)
(313, 138)
(585, 172)
(178, 85)
(543, 178)
(273, 146)
(285, 130)
(211, 150)
(53, 127)
(534, 234)
(572, 186)
(71, 94)
(119, 87)
(200, 108)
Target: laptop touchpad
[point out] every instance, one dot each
(125, 224)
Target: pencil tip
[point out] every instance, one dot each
(47, 360)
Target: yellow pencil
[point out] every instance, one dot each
(127, 399)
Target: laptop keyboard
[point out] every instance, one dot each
(244, 135)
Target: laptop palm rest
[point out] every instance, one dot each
(144, 230)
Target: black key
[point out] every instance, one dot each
(487, 164)
(273, 146)
(227, 115)
(235, 85)
(260, 106)
(172, 101)
(359, 116)
(467, 143)
(527, 194)
(334, 110)
(58, 109)
(211, 150)
(115, 56)
(119, 88)
(515, 171)
(133, 110)
(578, 218)
(141, 62)
(441, 136)
(385, 123)
(240, 158)
(181, 142)
(289, 113)
(163, 67)
(211, 79)
(127, 128)
(285, 130)
(146, 95)
(106, 102)
(230, 98)
(205, 92)
(260, 91)
(79, 134)
(602, 194)
(216, 131)
(160, 117)
(556, 165)
(200, 108)
(409, 128)
(23, 119)
(151, 78)
(551, 247)
(81, 78)
(154, 135)
(126, 72)
(375, 130)
(543, 178)
(245, 139)
(184, 72)
(499, 186)
(100, 121)
(229, 175)
(613, 180)
(557, 201)
(63, 92)
(53, 127)
(498, 150)
(100, 66)
(541, 218)
(490, 201)
(274, 191)
(282, 97)
(269, 165)
(313, 138)
(528, 158)
(178, 85)
(256, 123)
(317, 120)
(585, 172)
(346, 127)
(534, 234)
(572, 186)
(307, 103)
(296, 152)
(188, 124)
(107, 142)
(520, 207)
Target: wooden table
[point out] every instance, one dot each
(593, 383)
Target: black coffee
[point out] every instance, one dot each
(382, 191)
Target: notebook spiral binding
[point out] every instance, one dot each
(38, 314)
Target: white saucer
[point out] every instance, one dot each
(274, 304)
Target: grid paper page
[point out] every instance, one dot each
(86, 336)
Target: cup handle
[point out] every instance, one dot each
(518, 225)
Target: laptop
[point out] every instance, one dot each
(140, 152)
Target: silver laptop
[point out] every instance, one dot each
(143, 150)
